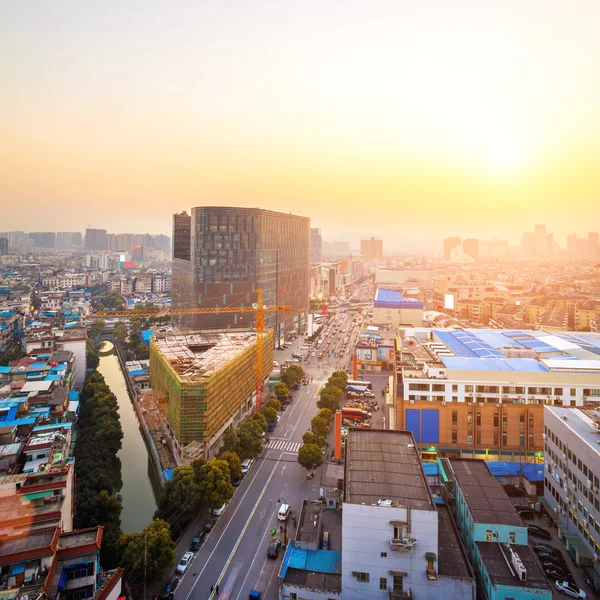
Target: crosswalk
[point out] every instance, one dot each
(285, 445)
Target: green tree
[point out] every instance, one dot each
(13, 352)
(120, 332)
(160, 552)
(96, 329)
(234, 462)
(320, 427)
(337, 381)
(230, 441)
(270, 414)
(197, 466)
(326, 414)
(216, 483)
(292, 375)
(281, 390)
(310, 438)
(260, 421)
(341, 374)
(92, 359)
(310, 456)
(273, 403)
(249, 439)
(330, 398)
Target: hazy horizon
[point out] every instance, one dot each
(399, 120)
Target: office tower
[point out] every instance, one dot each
(449, 243)
(182, 223)
(327, 248)
(371, 248)
(3, 246)
(43, 239)
(316, 246)
(537, 243)
(68, 239)
(96, 239)
(471, 248)
(234, 251)
(593, 244)
(333, 279)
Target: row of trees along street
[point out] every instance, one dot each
(310, 454)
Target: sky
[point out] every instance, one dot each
(402, 119)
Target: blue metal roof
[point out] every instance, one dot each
(6, 313)
(475, 363)
(5, 369)
(319, 561)
(393, 299)
(73, 395)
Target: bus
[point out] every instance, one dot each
(360, 383)
(355, 414)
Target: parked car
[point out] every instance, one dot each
(545, 556)
(219, 511)
(545, 548)
(235, 482)
(513, 490)
(273, 550)
(556, 573)
(569, 589)
(208, 526)
(296, 386)
(556, 564)
(369, 394)
(168, 590)
(196, 542)
(526, 514)
(184, 563)
(539, 532)
(246, 464)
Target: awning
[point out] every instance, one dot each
(575, 541)
(16, 569)
(38, 495)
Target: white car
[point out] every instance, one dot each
(275, 363)
(184, 563)
(567, 588)
(369, 394)
(217, 512)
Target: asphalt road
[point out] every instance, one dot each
(234, 555)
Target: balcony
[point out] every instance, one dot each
(402, 544)
(405, 595)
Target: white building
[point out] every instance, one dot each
(67, 281)
(390, 542)
(571, 480)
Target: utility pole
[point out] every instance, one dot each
(145, 557)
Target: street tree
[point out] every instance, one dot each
(310, 438)
(249, 440)
(216, 482)
(326, 414)
(270, 414)
(274, 403)
(320, 427)
(281, 390)
(234, 462)
(310, 456)
(157, 547)
(230, 440)
(260, 420)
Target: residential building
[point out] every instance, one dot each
(316, 246)
(43, 239)
(587, 315)
(182, 226)
(371, 248)
(449, 244)
(392, 548)
(391, 307)
(60, 565)
(161, 284)
(96, 239)
(205, 382)
(538, 243)
(493, 533)
(67, 281)
(69, 239)
(471, 248)
(103, 260)
(11, 326)
(234, 251)
(3, 246)
(481, 393)
(571, 482)
(143, 285)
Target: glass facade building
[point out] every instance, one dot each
(234, 251)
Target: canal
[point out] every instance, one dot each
(140, 486)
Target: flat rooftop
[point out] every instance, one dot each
(583, 422)
(499, 571)
(385, 465)
(29, 542)
(313, 569)
(310, 521)
(202, 354)
(452, 560)
(483, 493)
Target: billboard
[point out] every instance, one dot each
(449, 301)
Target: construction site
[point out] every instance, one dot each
(205, 382)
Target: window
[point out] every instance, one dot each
(573, 392)
(398, 532)
(80, 571)
(496, 419)
(512, 537)
(455, 437)
(454, 418)
(469, 418)
(80, 593)
(521, 439)
(384, 555)
(488, 535)
(531, 421)
(522, 421)
(468, 389)
(382, 583)
(504, 438)
(470, 437)
(478, 419)
(398, 584)
(363, 577)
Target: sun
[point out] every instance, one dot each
(504, 154)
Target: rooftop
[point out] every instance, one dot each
(314, 569)
(25, 543)
(452, 561)
(584, 423)
(385, 465)
(385, 298)
(483, 493)
(309, 523)
(202, 354)
(501, 574)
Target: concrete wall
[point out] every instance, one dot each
(455, 588)
(77, 347)
(366, 533)
(286, 591)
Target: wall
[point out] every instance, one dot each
(455, 588)
(77, 347)
(366, 533)
(286, 591)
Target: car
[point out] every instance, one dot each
(538, 532)
(369, 394)
(526, 514)
(196, 542)
(554, 564)
(550, 556)
(284, 407)
(546, 548)
(168, 590)
(569, 589)
(246, 464)
(184, 563)
(208, 526)
(235, 482)
(219, 511)
(556, 573)
(513, 490)
(273, 549)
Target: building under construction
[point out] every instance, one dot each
(205, 382)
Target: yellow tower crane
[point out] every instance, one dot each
(259, 309)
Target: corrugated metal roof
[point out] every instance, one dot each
(475, 363)
(319, 561)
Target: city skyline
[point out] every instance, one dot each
(456, 121)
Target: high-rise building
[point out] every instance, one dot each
(371, 248)
(234, 251)
(182, 223)
(96, 239)
(68, 239)
(449, 243)
(43, 239)
(471, 248)
(316, 246)
(3, 246)
(537, 243)
(342, 248)
(594, 244)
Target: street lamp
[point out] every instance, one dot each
(285, 520)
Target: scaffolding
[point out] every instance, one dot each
(201, 380)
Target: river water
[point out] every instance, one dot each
(139, 478)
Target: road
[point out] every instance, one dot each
(234, 554)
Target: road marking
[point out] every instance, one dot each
(287, 447)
